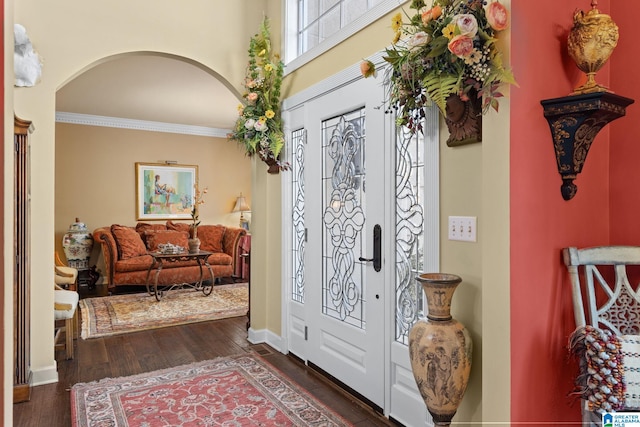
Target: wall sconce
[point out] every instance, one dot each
(575, 121)
(242, 207)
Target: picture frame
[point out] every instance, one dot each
(165, 191)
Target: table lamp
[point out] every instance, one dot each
(242, 207)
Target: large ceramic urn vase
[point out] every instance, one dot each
(440, 350)
(78, 244)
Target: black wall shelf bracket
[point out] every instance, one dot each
(575, 121)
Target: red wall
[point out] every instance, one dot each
(625, 137)
(542, 222)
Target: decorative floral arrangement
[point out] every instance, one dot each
(195, 210)
(448, 49)
(259, 125)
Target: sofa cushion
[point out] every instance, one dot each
(128, 241)
(220, 258)
(141, 227)
(138, 263)
(155, 238)
(211, 237)
(178, 226)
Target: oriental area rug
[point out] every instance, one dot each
(228, 391)
(121, 314)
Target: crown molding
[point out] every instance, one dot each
(144, 125)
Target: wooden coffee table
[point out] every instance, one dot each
(202, 258)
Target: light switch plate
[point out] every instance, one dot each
(463, 228)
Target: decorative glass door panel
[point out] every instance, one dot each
(343, 140)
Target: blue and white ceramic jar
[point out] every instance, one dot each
(77, 244)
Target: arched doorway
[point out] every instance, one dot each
(143, 107)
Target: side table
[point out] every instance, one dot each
(202, 258)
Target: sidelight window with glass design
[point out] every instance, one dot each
(298, 141)
(409, 230)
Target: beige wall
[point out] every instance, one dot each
(266, 226)
(95, 175)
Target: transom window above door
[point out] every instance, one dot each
(315, 26)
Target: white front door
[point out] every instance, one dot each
(352, 297)
(342, 316)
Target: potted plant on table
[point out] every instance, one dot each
(447, 55)
(194, 242)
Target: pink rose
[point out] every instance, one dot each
(467, 24)
(461, 46)
(252, 96)
(497, 16)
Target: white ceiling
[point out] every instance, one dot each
(150, 88)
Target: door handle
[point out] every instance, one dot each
(377, 249)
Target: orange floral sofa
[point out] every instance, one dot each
(126, 251)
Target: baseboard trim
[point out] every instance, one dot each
(46, 375)
(265, 336)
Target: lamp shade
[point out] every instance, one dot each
(241, 204)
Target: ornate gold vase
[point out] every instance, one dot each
(440, 350)
(591, 42)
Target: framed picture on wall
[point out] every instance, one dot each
(165, 191)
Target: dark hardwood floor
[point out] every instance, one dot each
(163, 348)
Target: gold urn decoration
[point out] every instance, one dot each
(591, 42)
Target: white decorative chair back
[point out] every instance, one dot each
(606, 299)
(602, 284)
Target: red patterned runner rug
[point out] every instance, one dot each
(228, 391)
(121, 314)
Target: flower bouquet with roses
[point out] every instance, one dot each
(448, 49)
(259, 125)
